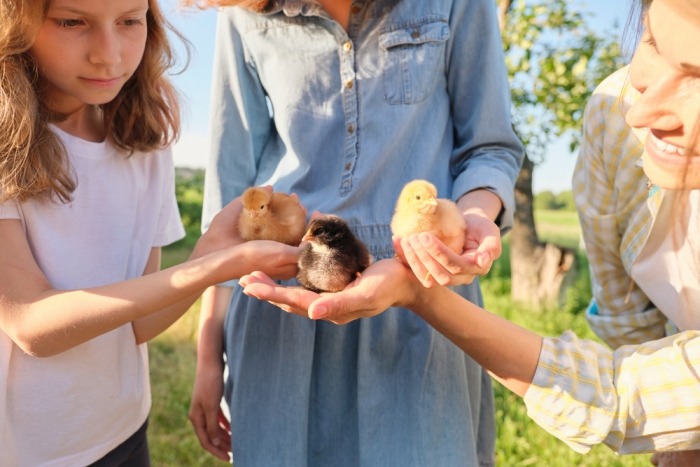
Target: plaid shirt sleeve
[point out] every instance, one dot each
(611, 196)
(638, 398)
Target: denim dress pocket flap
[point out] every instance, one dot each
(435, 31)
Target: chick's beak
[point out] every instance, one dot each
(428, 206)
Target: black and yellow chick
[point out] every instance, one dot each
(271, 216)
(333, 258)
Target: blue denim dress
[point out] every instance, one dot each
(413, 89)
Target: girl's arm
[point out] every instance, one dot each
(149, 327)
(44, 321)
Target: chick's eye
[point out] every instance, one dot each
(417, 197)
(262, 206)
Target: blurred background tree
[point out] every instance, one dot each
(555, 60)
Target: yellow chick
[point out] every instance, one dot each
(271, 216)
(418, 209)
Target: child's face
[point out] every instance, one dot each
(666, 70)
(87, 49)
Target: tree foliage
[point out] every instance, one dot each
(190, 194)
(547, 200)
(554, 62)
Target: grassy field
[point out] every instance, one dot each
(520, 441)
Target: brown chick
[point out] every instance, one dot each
(271, 216)
(333, 258)
(418, 209)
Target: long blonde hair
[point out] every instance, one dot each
(144, 116)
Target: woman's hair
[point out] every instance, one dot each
(33, 162)
(634, 26)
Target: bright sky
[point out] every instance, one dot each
(198, 26)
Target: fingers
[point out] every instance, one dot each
(256, 277)
(218, 437)
(370, 294)
(488, 251)
(340, 308)
(224, 423)
(379, 287)
(433, 263)
(294, 300)
(331, 308)
(416, 256)
(210, 434)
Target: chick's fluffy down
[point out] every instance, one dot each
(271, 216)
(418, 209)
(333, 257)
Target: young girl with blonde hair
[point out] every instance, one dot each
(86, 202)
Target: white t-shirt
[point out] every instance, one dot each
(667, 269)
(73, 408)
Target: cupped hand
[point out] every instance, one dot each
(276, 260)
(206, 416)
(384, 284)
(295, 300)
(223, 230)
(434, 264)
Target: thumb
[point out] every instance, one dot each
(333, 307)
(212, 427)
(488, 251)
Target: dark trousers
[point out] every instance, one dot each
(131, 453)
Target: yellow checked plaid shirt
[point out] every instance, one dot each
(616, 209)
(638, 398)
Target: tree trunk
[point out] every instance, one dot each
(538, 269)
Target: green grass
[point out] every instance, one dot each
(560, 227)
(520, 441)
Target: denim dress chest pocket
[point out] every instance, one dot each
(413, 58)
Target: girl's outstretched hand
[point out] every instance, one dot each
(273, 259)
(223, 230)
(384, 284)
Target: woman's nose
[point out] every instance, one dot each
(656, 107)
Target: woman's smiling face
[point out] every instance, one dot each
(666, 70)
